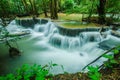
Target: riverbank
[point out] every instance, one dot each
(112, 74)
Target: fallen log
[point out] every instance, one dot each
(18, 34)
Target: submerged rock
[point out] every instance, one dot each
(109, 42)
(115, 33)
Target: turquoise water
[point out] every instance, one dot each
(44, 44)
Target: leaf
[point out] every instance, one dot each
(54, 64)
(113, 61)
(116, 51)
(2, 78)
(92, 69)
(10, 77)
(18, 71)
(18, 77)
(39, 78)
(94, 77)
(119, 58)
(107, 64)
(108, 56)
(93, 73)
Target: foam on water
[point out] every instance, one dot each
(45, 44)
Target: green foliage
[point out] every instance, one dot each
(77, 2)
(3, 33)
(27, 72)
(4, 10)
(113, 6)
(2, 78)
(111, 59)
(85, 6)
(68, 4)
(94, 73)
(10, 77)
(116, 51)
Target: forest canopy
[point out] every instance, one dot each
(37, 7)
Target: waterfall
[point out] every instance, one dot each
(47, 42)
(74, 42)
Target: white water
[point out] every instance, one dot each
(45, 44)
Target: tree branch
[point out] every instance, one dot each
(100, 56)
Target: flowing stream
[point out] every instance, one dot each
(44, 44)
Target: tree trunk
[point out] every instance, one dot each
(90, 12)
(33, 7)
(25, 6)
(18, 7)
(45, 13)
(53, 9)
(4, 12)
(101, 11)
(45, 8)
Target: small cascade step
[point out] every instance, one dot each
(76, 31)
(30, 22)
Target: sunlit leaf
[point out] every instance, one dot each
(108, 56)
(116, 51)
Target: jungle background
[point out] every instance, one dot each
(100, 12)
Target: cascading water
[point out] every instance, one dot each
(45, 44)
